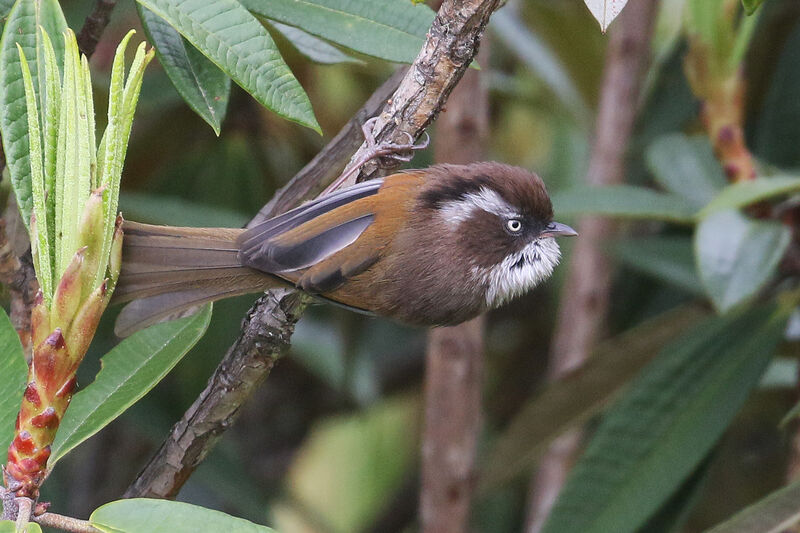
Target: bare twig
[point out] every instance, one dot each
(448, 51)
(266, 333)
(449, 48)
(585, 295)
(94, 25)
(454, 364)
(65, 523)
(24, 512)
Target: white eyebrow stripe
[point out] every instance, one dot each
(457, 211)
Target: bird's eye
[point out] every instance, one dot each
(514, 225)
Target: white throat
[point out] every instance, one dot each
(520, 271)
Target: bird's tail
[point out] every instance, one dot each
(167, 270)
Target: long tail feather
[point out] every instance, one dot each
(167, 270)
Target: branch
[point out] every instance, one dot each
(450, 46)
(17, 274)
(65, 523)
(584, 302)
(454, 362)
(94, 25)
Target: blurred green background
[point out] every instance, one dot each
(331, 442)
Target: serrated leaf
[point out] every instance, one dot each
(605, 11)
(750, 6)
(242, 48)
(162, 516)
(572, 400)
(312, 47)
(654, 437)
(203, 86)
(777, 512)
(21, 27)
(686, 166)
(670, 259)
(13, 373)
(129, 371)
(745, 193)
(386, 29)
(736, 256)
(625, 201)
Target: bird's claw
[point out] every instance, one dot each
(399, 151)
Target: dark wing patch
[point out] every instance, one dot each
(320, 280)
(254, 237)
(276, 258)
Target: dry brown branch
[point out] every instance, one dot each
(454, 367)
(16, 273)
(94, 25)
(585, 295)
(65, 523)
(449, 48)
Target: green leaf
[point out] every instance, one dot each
(673, 515)
(686, 166)
(670, 259)
(40, 241)
(7, 526)
(537, 54)
(312, 47)
(239, 45)
(775, 513)
(736, 256)
(21, 27)
(625, 201)
(572, 400)
(203, 86)
(13, 374)
(114, 144)
(349, 466)
(5, 7)
(655, 436)
(750, 6)
(387, 29)
(129, 371)
(746, 193)
(163, 516)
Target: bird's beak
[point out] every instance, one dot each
(557, 229)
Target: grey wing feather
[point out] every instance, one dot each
(259, 251)
(270, 258)
(299, 215)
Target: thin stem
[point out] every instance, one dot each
(24, 511)
(65, 523)
(454, 367)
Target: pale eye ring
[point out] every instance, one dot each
(514, 225)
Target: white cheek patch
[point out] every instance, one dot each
(457, 211)
(520, 271)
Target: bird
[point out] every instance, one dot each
(427, 247)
